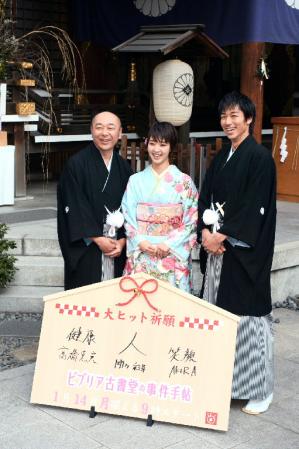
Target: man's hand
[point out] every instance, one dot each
(105, 244)
(119, 245)
(147, 247)
(213, 242)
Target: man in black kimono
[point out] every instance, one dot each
(238, 198)
(94, 179)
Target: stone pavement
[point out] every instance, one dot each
(26, 426)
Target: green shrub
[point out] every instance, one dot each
(7, 262)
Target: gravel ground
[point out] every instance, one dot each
(291, 302)
(18, 350)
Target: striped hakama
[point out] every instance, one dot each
(107, 262)
(107, 268)
(253, 368)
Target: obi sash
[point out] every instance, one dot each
(158, 219)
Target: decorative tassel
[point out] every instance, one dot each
(212, 216)
(115, 220)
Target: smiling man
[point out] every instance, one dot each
(237, 214)
(92, 182)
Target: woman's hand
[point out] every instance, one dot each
(162, 250)
(147, 247)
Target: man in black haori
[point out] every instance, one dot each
(90, 190)
(237, 216)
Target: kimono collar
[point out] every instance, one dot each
(160, 175)
(109, 163)
(230, 154)
(249, 139)
(99, 155)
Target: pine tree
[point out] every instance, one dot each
(7, 261)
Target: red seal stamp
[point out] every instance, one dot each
(211, 418)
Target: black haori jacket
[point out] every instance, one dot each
(247, 185)
(81, 212)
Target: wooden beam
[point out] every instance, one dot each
(178, 42)
(124, 44)
(251, 84)
(212, 48)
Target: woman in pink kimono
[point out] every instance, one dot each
(160, 210)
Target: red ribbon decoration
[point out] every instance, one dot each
(138, 290)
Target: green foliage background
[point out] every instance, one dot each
(7, 261)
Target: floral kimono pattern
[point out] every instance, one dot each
(161, 209)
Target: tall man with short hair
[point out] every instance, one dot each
(238, 244)
(92, 183)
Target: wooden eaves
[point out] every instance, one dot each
(165, 39)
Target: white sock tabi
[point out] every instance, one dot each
(256, 406)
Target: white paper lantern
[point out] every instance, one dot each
(173, 92)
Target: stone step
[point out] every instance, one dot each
(41, 247)
(24, 299)
(39, 271)
(31, 246)
(37, 238)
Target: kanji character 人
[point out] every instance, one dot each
(131, 343)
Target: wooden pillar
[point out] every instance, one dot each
(183, 133)
(251, 84)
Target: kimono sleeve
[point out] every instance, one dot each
(205, 198)
(245, 221)
(129, 210)
(73, 204)
(183, 239)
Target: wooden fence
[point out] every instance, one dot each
(193, 159)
